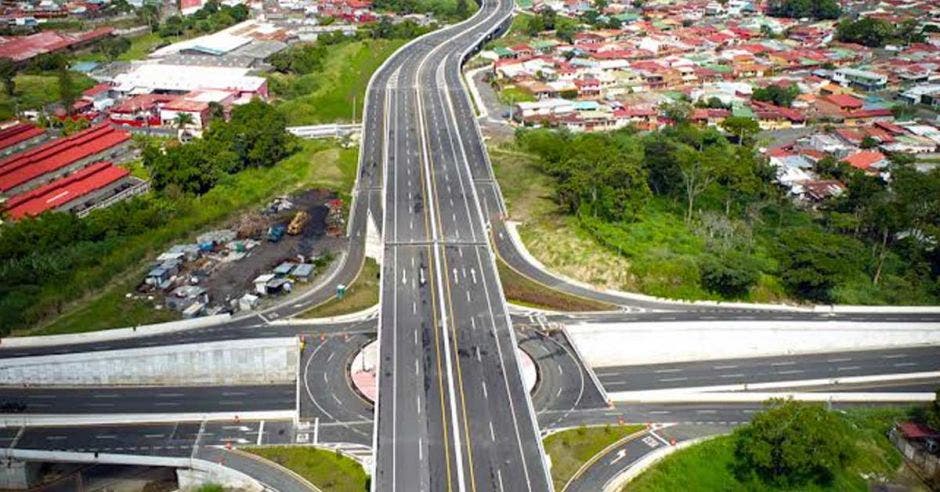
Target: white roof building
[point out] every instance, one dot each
(150, 77)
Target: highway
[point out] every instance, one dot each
(770, 369)
(452, 412)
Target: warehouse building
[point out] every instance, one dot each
(180, 79)
(96, 186)
(45, 163)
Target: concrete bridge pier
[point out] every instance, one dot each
(17, 474)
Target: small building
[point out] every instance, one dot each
(261, 283)
(248, 302)
(284, 269)
(303, 272)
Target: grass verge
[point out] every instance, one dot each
(327, 95)
(35, 91)
(362, 294)
(524, 291)
(707, 466)
(328, 470)
(571, 449)
(319, 164)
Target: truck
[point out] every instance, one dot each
(275, 233)
(297, 224)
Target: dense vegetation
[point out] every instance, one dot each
(876, 33)
(791, 446)
(776, 94)
(798, 9)
(700, 217)
(53, 259)
(449, 9)
(254, 137)
(210, 18)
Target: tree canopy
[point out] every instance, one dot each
(792, 444)
(798, 9)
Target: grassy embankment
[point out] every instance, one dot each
(363, 293)
(656, 249)
(327, 95)
(571, 449)
(707, 466)
(34, 91)
(317, 164)
(329, 471)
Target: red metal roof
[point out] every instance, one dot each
(22, 48)
(65, 190)
(913, 430)
(31, 164)
(17, 133)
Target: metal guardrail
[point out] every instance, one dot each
(324, 131)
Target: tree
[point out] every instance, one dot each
(813, 262)
(775, 94)
(113, 47)
(678, 112)
(216, 111)
(932, 414)
(741, 127)
(68, 92)
(730, 275)
(698, 171)
(796, 9)
(868, 142)
(868, 31)
(183, 120)
(7, 75)
(792, 444)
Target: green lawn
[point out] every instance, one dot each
(513, 94)
(706, 466)
(327, 95)
(571, 449)
(34, 91)
(318, 164)
(141, 46)
(362, 294)
(327, 470)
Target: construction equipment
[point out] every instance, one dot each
(297, 224)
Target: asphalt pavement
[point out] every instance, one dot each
(771, 369)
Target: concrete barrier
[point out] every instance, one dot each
(760, 397)
(115, 334)
(10, 420)
(634, 343)
(247, 361)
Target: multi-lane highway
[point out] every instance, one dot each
(452, 411)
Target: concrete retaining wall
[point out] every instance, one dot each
(116, 334)
(613, 344)
(250, 361)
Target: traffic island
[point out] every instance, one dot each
(362, 371)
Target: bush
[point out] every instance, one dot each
(731, 275)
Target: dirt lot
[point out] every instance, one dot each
(230, 280)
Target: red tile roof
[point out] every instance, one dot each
(865, 159)
(17, 133)
(845, 101)
(65, 190)
(26, 166)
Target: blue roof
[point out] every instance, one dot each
(84, 67)
(586, 105)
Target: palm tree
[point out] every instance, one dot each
(183, 119)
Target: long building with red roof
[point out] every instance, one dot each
(18, 135)
(22, 48)
(94, 185)
(45, 163)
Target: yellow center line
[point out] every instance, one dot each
(453, 330)
(437, 343)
